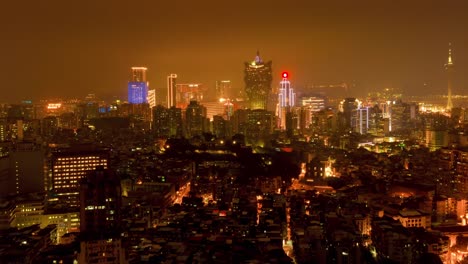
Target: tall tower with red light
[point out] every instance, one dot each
(286, 99)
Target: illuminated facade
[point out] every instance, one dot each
(257, 78)
(67, 222)
(138, 86)
(437, 132)
(69, 167)
(360, 120)
(188, 92)
(214, 108)
(449, 68)
(413, 218)
(139, 74)
(171, 90)
(286, 99)
(3, 129)
(151, 98)
(314, 103)
(137, 92)
(28, 213)
(436, 138)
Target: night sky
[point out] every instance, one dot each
(71, 48)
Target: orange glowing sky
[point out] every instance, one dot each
(63, 49)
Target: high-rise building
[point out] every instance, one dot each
(100, 202)
(22, 169)
(167, 122)
(360, 120)
(23, 111)
(151, 99)
(223, 89)
(315, 103)
(449, 67)
(259, 126)
(3, 129)
(221, 127)
(323, 122)
(187, 92)
(139, 74)
(214, 108)
(19, 130)
(436, 131)
(257, 78)
(100, 221)
(69, 166)
(171, 90)
(292, 121)
(286, 99)
(138, 86)
(49, 126)
(239, 121)
(137, 92)
(346, 107)
(195, 118)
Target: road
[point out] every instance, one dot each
(296, 185)
(181, 193)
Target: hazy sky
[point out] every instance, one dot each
(72, 48)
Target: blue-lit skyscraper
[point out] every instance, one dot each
(137, 92)
(138, 86)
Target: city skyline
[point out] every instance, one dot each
(53, 53)
(234, 132)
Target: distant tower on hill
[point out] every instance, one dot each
(449, 67)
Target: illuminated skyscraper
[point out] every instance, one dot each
(360, 120)
(137, 92)
(138, 86)
(187, 92)
(286, 99)
(152, 98)
(257, 78)
(449, 67)
(171, 90)
(139, 74)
